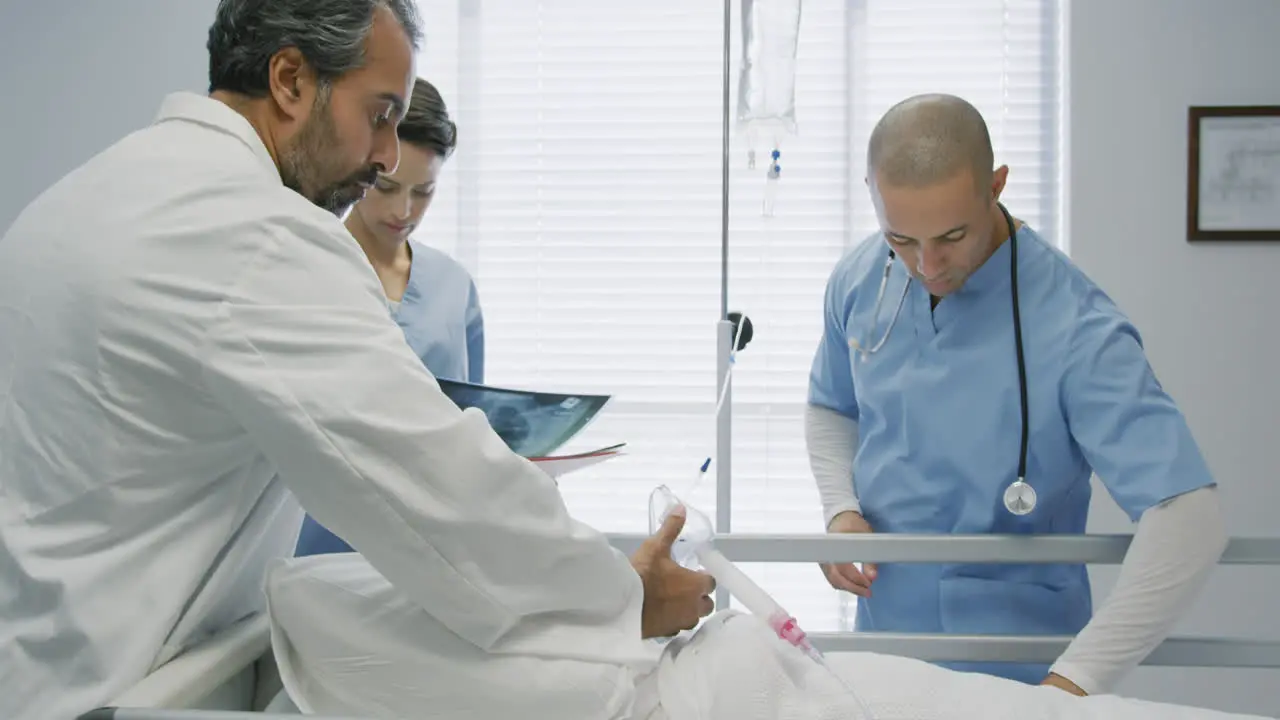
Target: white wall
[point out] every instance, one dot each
(101, 69)
(76, 75)
(1135, 66)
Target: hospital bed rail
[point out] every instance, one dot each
(172, 691)
(908, 548)
(991, 549)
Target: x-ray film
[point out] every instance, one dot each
(532, 424)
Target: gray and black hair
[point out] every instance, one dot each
(330, 34)
(927, 139)
(426, 124)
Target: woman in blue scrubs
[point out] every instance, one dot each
(956, 338)
(431, 296)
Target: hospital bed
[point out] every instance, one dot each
(233, 675)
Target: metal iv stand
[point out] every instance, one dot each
(726, 327)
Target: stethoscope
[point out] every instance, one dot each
(1019, 497)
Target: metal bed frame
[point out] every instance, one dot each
(172, 691)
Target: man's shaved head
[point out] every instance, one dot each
(936, 193)
(928, 139)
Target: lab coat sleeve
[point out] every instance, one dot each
(830, 375)
(1175, 549)
(475, 337)
(1127, 427)
(303, 355)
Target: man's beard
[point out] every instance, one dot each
(309, 161)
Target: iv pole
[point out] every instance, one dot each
(725, 337)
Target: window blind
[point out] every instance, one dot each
(585, 198)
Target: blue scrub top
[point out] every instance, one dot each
(441, 320)
(940, 426)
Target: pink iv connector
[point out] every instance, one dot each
(788, 629)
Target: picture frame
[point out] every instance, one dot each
(1233, 173)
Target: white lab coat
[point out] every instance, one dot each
(183, 341)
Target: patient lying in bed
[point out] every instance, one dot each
(348, 643)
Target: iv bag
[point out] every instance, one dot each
(767, 82)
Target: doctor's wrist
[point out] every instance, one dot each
(842, 517)
(832, 514)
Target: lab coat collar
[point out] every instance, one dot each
(191, 107)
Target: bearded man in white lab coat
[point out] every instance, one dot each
(189, 338)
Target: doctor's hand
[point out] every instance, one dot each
(846, 576)
(1056, 680)
(675, 598)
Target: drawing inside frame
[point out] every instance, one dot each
(1233, 173)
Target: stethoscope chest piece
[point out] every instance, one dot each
(1020, 498)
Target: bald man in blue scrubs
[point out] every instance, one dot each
(915, 415)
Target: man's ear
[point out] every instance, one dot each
(291, 83)
(998, 180)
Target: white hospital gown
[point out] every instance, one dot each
(349, 643)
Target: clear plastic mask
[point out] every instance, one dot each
(697, 531)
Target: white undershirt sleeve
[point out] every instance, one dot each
(1176, 547)
(832, 439)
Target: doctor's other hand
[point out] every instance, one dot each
(675, 598)
(847, 576)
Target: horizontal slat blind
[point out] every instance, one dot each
(1001, 55)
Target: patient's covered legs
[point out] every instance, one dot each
(739, 669)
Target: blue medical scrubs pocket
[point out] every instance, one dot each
(990, 606)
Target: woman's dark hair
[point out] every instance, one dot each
(426, 123)
(330, 34)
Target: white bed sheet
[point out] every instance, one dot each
(214, 675)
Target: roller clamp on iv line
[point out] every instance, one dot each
(771, 183)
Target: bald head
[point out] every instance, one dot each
(928, 139)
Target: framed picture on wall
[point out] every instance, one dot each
(1233, 173)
